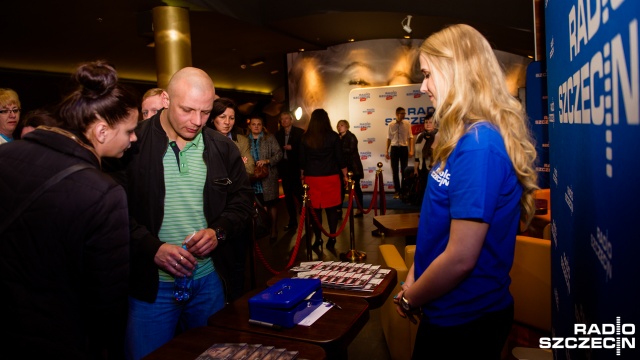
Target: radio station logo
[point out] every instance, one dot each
(415, 115)
(369, 111)
(365, 184)
(371, 169)
(370, 140)
(362, 97)
(364, 155)
(415, 94)
(363, 126)
(388, 95)
(616, 337)
(603, 91)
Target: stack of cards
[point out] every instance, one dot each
(342, 275)
(243, 351)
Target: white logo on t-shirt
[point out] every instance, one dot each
(441, 177)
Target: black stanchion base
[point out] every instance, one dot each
(376, 233)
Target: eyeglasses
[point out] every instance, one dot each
(6, 111)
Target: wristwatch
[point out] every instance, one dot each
(221, 235)
(404, 303)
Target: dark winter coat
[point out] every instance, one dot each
(65, 260)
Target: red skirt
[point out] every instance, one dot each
(324, 191)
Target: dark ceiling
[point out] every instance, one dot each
(54, 36)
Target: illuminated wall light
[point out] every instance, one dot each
(298, 113)
(407, 37)
(351, 40)
(301, 50)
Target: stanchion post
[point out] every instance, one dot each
(307, 219)
(381, 194)
(352, 255)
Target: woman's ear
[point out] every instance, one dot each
(101, 131)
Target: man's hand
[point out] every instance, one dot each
(175, 260)
(202, 243)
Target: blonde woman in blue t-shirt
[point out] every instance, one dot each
(480, 187)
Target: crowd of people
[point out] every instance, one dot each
(109, 197)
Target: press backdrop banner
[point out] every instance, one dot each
(537, 107)
(370, 112)
(594, 99)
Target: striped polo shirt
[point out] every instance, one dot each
(185, 174)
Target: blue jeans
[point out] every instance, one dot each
(151, 325)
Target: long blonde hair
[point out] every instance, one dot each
(472, 88)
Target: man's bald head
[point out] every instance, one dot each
(190, 78)
(188, 100)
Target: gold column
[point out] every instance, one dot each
(173, 41)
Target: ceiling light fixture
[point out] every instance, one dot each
(406, 26)
(257, 63)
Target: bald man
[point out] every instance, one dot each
(188, 193)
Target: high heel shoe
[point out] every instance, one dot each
(331, 243)
(317, 243)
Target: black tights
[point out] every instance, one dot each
(333, 216)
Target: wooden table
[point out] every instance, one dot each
(334, 331)
(190, 344)
(375, 298)
(397, 224)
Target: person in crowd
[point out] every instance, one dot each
(9, 114)
(266, 150)
(399, 148)
(151, 103)
(324, 169)
(188, 192)
(289, 137)
(222, 119)
(32, 120)
(64, 254)
(351, 155)
(482, 185)
(424, 150)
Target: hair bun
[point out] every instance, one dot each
(96, 79)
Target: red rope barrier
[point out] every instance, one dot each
(294, 255)
(344, 221)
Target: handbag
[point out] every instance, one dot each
(261, 220)
(260, 172)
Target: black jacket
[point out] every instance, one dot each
(227, 204)
(65, 260)
(325, 160)
(351, 154)
(292, 161)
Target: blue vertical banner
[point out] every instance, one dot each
(538, 117)
(594, 101)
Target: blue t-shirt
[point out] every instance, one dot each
(478, 182)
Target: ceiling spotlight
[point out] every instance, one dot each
(406, 26)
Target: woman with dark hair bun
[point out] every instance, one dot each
(64, 253)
